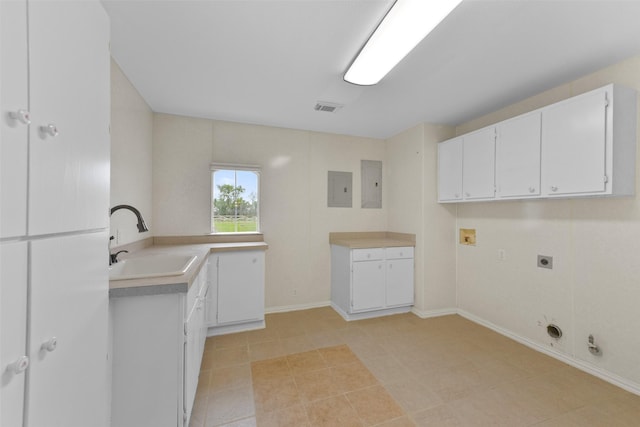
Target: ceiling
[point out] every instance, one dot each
(269, 62)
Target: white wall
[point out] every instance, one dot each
(412, 194)
(131, 146)
(593, 287)
(295, 219)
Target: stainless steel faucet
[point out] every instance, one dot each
(142, 227)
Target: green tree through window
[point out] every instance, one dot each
(235, 200)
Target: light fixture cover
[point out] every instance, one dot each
(404, 26)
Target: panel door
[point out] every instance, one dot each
(13, 331)
(399, 282)
(240, 286)
(68, 331)
(13, 131)
(478, 165)
(367, 285)
(518, 157)
(69, 89)
(573, 145)
(450, 170)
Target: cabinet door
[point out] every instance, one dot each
(240, 286)
(13, 132)
(191, 366)
(212, 294)
(518, 157)
(13, 329)
(69, 79)
(450, 170)
(399, 282)
(69, 301)
(478, 165)
(367, 286)
(574, 144)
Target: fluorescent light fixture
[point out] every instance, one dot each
(404, 26)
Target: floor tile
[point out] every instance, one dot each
(374, 405)
(333, 412)
(311, 368)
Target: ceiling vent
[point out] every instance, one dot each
(328, 107)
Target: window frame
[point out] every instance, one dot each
(257, 169)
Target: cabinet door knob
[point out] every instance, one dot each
(554, 188)
(19, 365)
(532, 190)
(21, 116)
(49, 129)
(457, 195)
(50, 345)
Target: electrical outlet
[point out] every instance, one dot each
(502, 255)
(545, 261)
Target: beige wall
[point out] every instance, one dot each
(411, 171)
(295, 219)
(593, 287)
(131, 145)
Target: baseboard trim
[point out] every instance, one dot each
(370, 314)
(296, 307)
(604, 375)
(425, 314)
(215, 331)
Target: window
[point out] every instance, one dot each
(235, 199)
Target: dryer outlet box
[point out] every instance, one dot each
(545, 261)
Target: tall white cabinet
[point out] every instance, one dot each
(54, 193)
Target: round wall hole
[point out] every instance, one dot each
(554, 331)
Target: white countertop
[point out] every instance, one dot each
(174, 284)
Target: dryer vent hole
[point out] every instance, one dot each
(554, 331)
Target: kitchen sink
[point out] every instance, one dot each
(151, 266)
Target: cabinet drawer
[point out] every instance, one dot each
(400, 252)
(368, 254)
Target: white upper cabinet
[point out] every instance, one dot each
(588, 144)
(583, 146)
(478, 165)
(14, 122)
(518, 157)
(69, 75)
(450, 170)
(574, 145)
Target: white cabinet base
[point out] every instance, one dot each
(238, 327)
(370, 314)
(371, 282)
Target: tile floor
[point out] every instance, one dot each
(311, 368)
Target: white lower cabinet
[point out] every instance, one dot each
(158, 342)
(371, 282)
(13, 330)
(236, 300)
